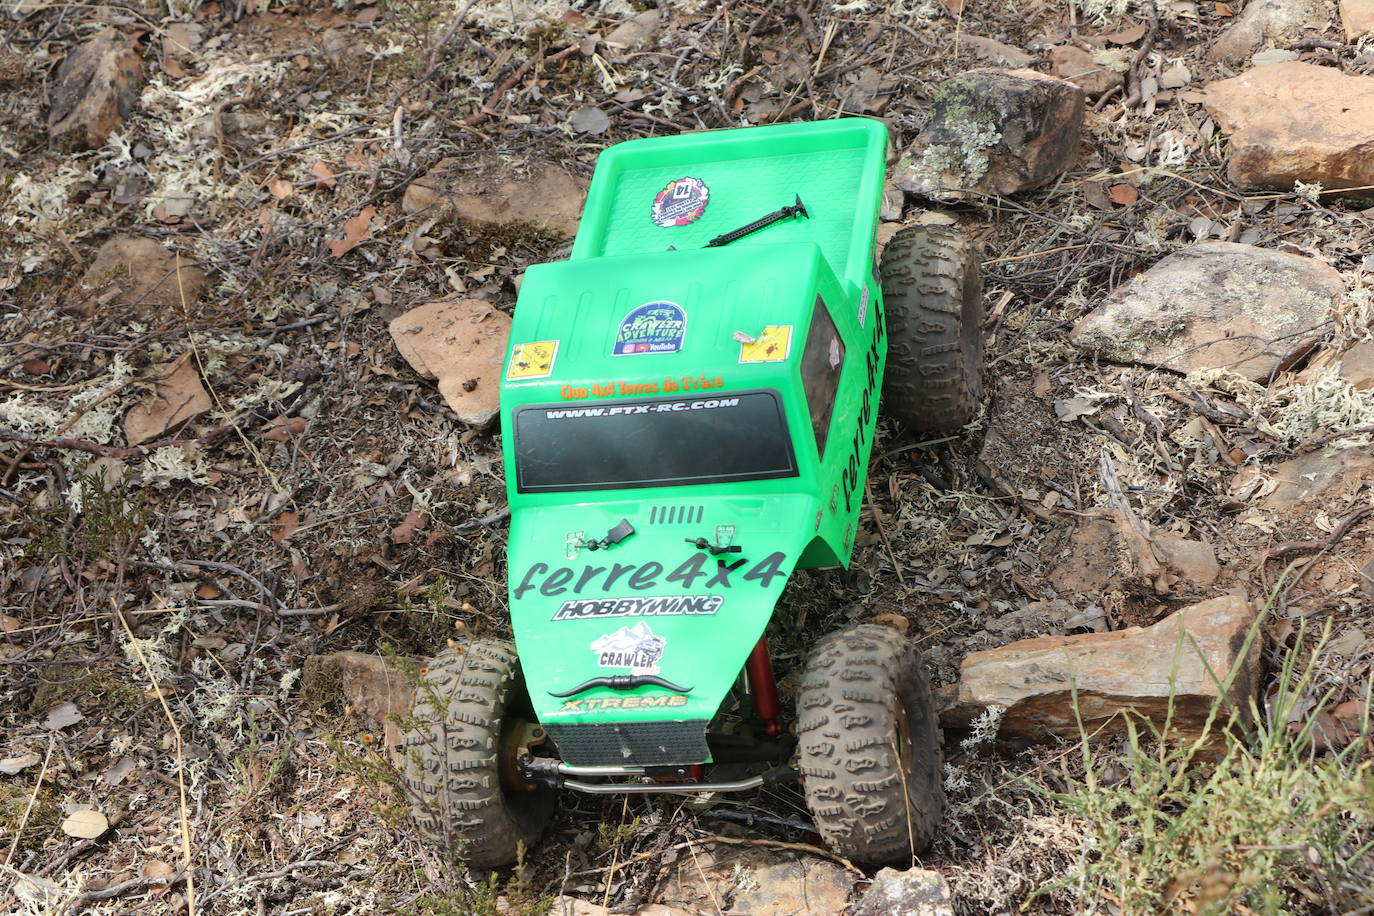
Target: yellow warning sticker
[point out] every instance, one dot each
(772, 346)
(532, 360)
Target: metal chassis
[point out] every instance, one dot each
(762, 686)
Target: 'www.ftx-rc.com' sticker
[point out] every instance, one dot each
(681, 202)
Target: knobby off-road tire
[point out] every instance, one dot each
(452, 765)
(870, 745)
(933, 300)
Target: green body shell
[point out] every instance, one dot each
(726, 394)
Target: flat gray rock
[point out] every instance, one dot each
(1265, 22)
(1214, 305)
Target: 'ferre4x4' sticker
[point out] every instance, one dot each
(642, 577)
(852, 476)
(636, 648)
(663, 606)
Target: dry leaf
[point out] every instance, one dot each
(324, 178)
(283, 428)
(355, 232)
(404, 533)
(280, 188)
(1096, 195)
(1126, 36)
(85, 824)
(11, 765)
(9, 623)
(205, 591)
(177, 397)
(157, 871)
(1124, 194)
(287, 523)
(1224, 10)
(62, 716)
(36, 367)
(895, 621)
(1041, 387)
(357, 160)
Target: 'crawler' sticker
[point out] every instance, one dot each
(636, 648)
(654, 327)
(772, 346)
(681, 202)
(532, 360)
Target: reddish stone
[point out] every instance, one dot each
(94, 91)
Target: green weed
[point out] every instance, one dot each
(1247, 815)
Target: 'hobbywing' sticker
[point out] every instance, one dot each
(654, 327)
(636, 648)
(666, 606)
(772, 346)
(532, 360)
(680, 202)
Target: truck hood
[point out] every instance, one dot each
(652, 604)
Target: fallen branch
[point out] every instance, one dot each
(1134, 72)
(114, 451)
(1342, 527)
(1135, 534)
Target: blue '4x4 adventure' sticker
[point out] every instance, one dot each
(654, 327)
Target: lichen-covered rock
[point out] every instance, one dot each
(1297, 122)
(914, 892)
(547, 197)
(994, 131)
(1171, 670)
(94, 90)
(1214, 305)
(1263, 22)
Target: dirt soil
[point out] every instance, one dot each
(159, 602)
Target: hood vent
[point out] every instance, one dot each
(676, 515)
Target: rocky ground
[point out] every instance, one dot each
(224, 448)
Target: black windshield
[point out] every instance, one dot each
(654, 443)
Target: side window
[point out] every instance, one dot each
(820, 369)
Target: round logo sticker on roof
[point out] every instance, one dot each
(681, 202)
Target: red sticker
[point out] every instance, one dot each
(681, 202)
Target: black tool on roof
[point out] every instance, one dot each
(735, 234)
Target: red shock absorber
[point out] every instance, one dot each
(764, 687)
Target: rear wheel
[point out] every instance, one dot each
(471, 711)
(933, 301)
(870, 745)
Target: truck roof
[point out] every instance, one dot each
(724, 317)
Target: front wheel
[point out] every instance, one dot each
(465, 789)
(870, 745)
(933, 300)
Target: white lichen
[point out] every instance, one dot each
(167, 465)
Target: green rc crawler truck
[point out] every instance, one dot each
(688, 406)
